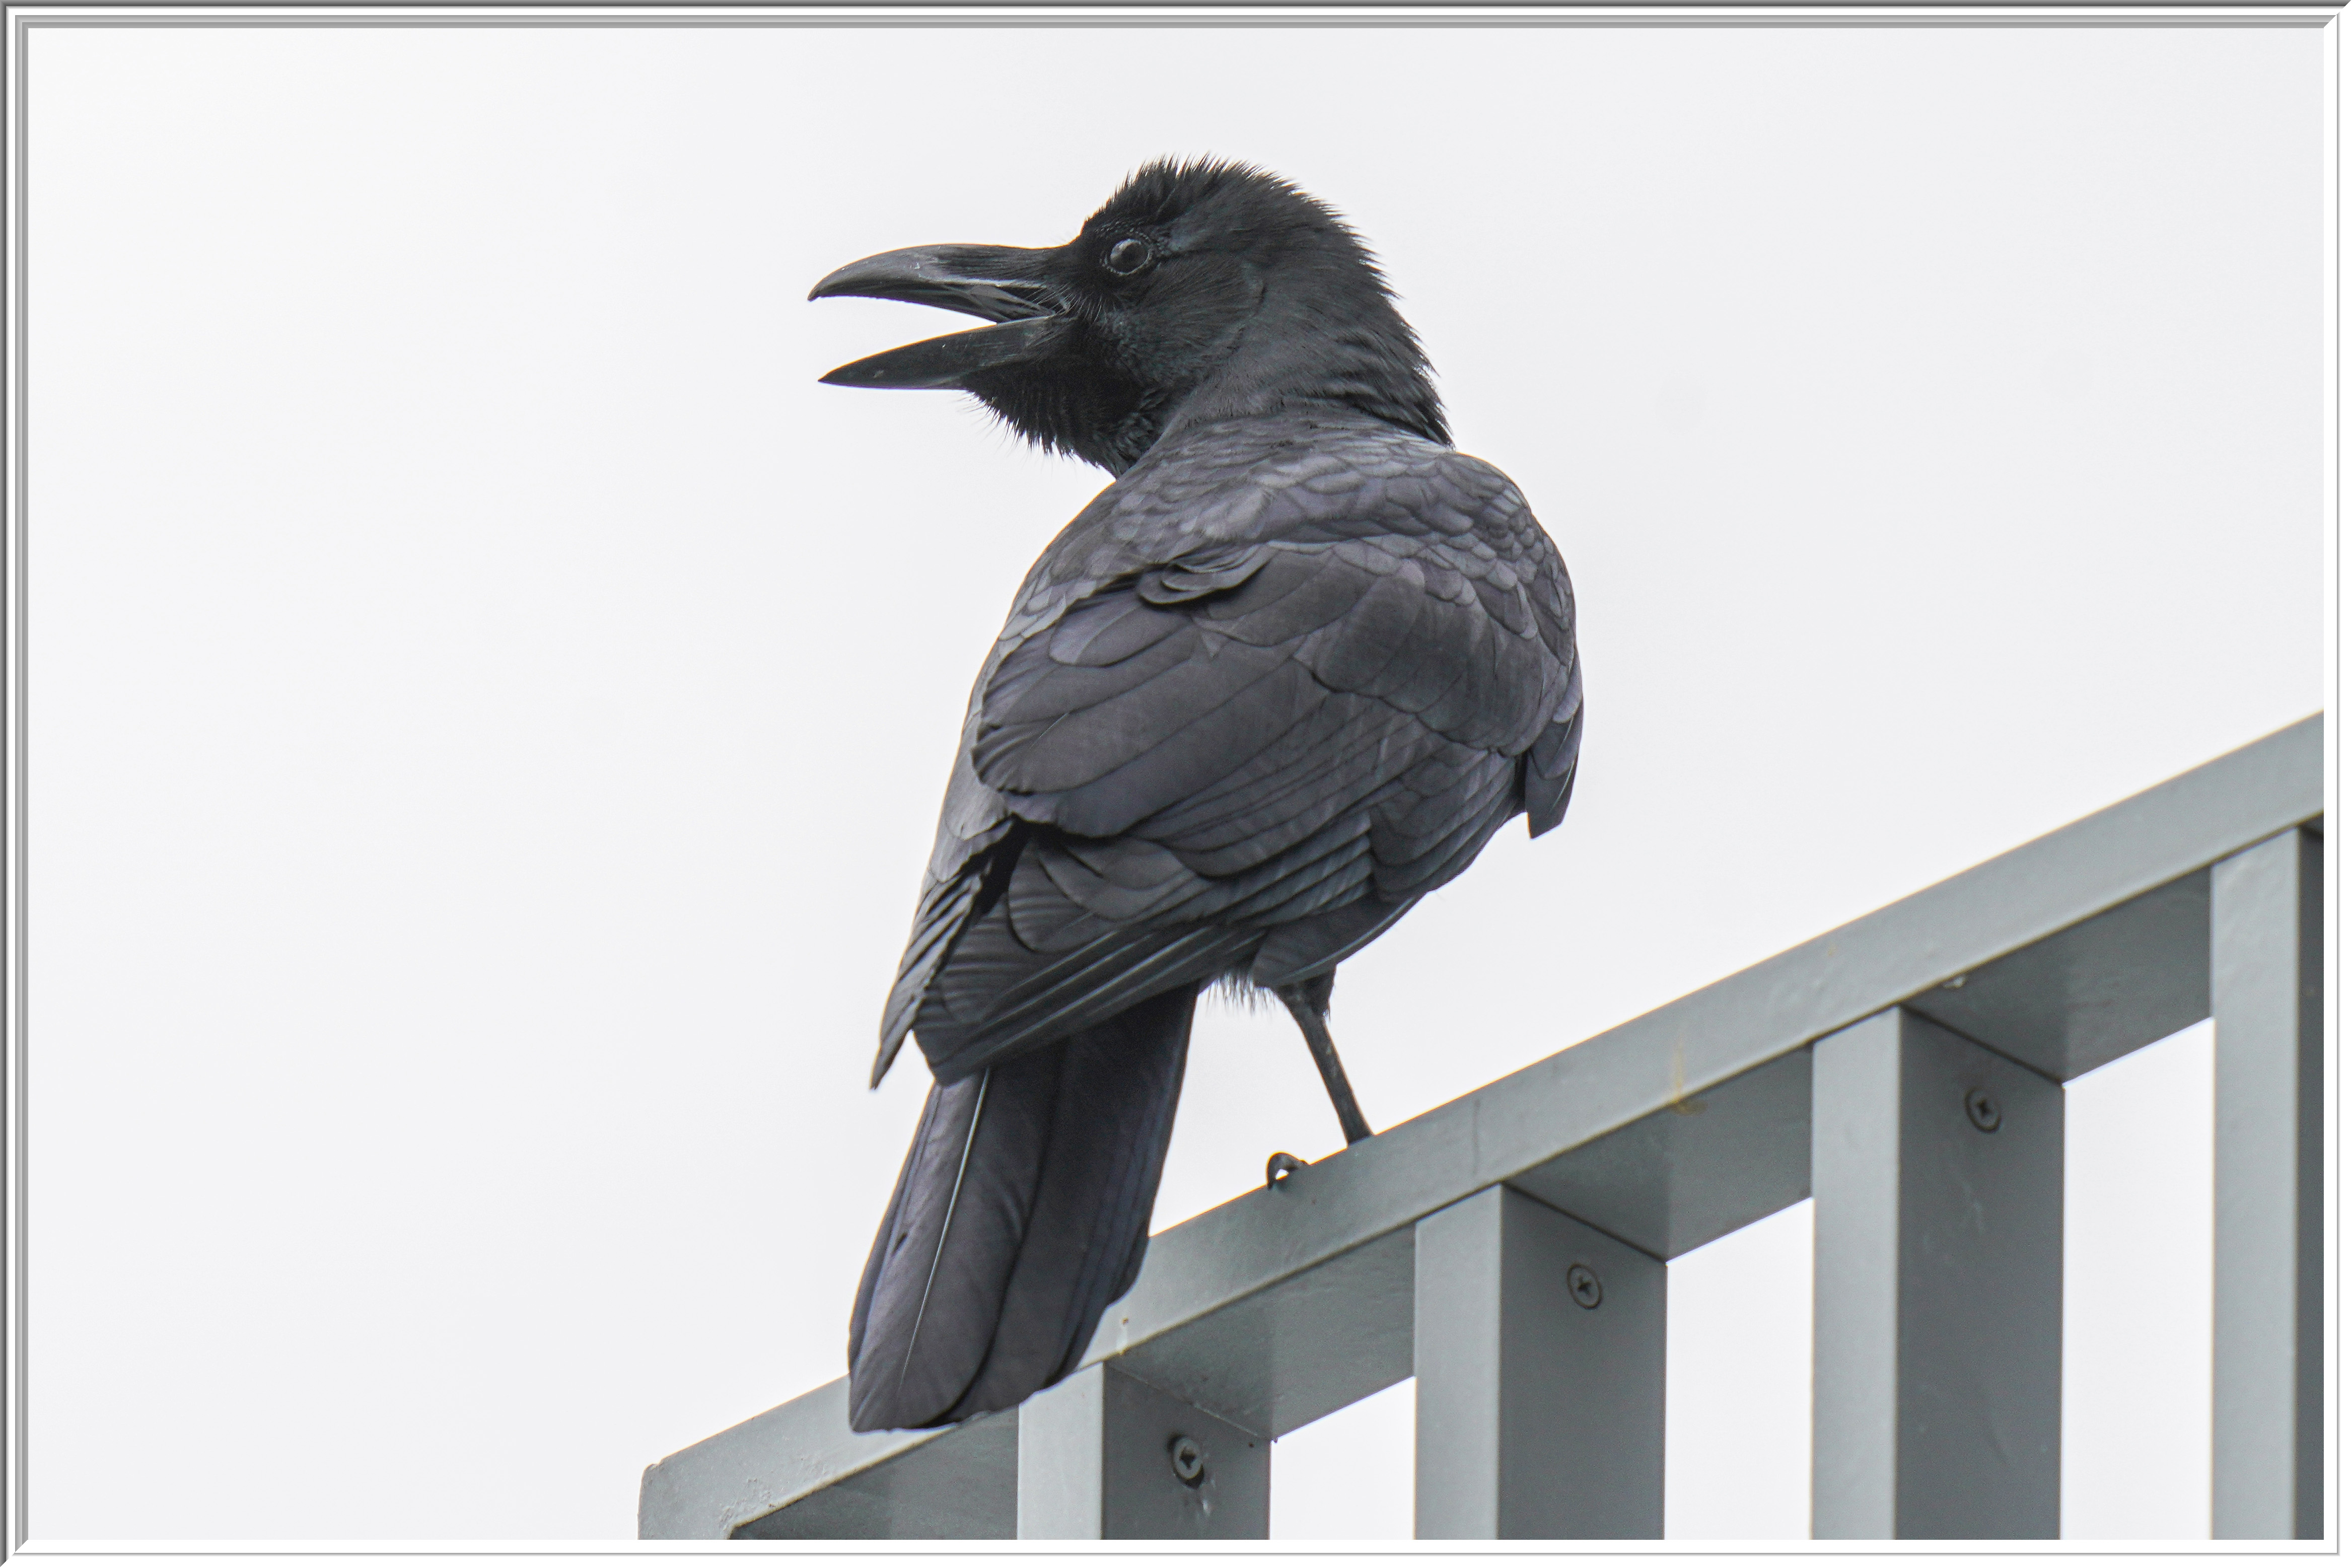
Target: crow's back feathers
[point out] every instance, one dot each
(1283, 667)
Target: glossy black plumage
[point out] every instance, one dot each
(1285, 675)
(1048, 1163)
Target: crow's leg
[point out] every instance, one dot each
(1310, 1000)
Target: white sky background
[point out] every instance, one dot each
(488, 704)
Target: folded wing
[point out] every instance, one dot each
(1246, 754)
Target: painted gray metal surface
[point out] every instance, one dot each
(1538, 1416)
(907, 1485)
(1668, 1131)
(1327, 1333)
(960, 1489)
(2268, 1192)
(1857, 1229)
(1983, 1265)
(1938, 1236)
(1060, 1488)
(2094, 991)
(1706, 1165)
(1100, 1460)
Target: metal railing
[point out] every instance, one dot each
(1509, 1248)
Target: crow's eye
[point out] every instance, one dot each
(1128, 256)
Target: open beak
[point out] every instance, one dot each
(995, 282)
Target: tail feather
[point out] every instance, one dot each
(1020, 1216)
(948, 1241)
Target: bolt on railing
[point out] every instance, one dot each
(1509, 1248)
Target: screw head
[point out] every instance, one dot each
(1583, 1287)
(1184, 1458)
(1983, 1110)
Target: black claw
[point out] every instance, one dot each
(1279, 1167)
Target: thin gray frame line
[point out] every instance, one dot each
(15, 1465)
(799, 1549)
(657, 13)
(1257, 13)
(2098, 13)
(2314, 18)
(1310, 13)
(1367, 1549)
(1319, 12)
(15, 1507)
(1309, 5)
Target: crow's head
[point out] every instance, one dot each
(1201, 290)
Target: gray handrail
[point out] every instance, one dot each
(1660, 1134)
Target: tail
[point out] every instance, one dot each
(1021, 1214)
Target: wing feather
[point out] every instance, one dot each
(1248, 691)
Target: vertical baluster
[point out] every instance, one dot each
(1540, 1349)
(2267, 1192)
(1105, 1457)
(1938, 1222)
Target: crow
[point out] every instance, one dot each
(1284, 676)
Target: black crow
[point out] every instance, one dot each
(1285, 675)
